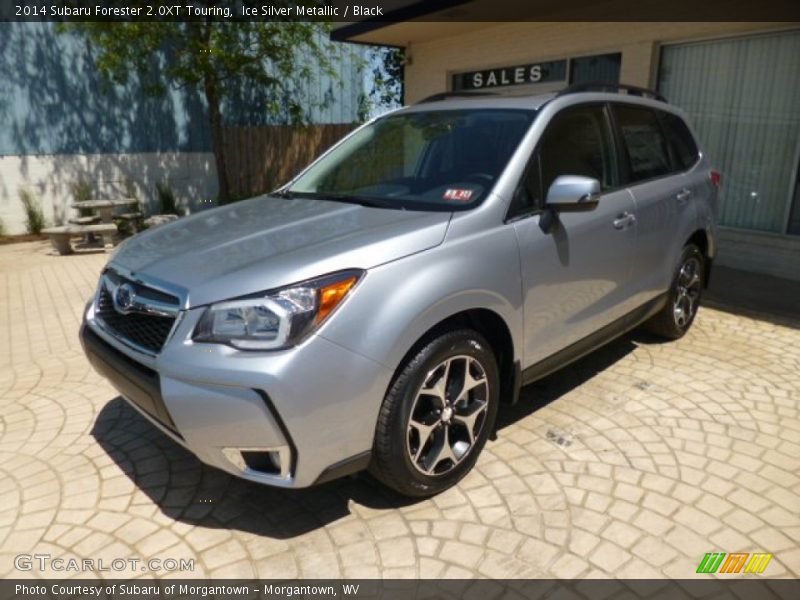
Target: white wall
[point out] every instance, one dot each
(192, 177)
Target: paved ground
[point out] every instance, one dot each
(633, 463)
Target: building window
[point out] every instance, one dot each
(743, 96)
(603, 67)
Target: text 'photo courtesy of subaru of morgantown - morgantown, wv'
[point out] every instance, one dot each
(376, 311)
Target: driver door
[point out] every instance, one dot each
(576, 278)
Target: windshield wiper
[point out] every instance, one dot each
(362, 200)
(352, 199)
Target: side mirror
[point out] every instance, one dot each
(573, 193)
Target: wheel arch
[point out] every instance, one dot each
(491, 326)
(703, 241)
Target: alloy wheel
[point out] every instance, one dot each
(447, 415)
(689, 284)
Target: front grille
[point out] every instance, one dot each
(146, 331)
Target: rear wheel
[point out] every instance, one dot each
(674, 320)
(437, 415)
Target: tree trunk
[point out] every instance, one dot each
(215, 117)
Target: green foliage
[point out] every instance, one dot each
(130, 188)
(33, 211)
(166, 199)
(81, 190)
(219, 58)
(387, 76)
(2, 228)
(271, 55)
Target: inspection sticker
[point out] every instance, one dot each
(458, 194)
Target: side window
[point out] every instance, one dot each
(645, 144)
(681, 141)
(576, 142)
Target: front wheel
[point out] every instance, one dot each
(674, 320)
(437, 416)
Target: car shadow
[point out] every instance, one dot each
(537, 395)
(192, 492)
(187, 490)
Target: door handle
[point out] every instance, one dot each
(683, 195)
(623, 220)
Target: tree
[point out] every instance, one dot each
(387, 76)
(219, 58)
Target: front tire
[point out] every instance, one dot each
(437, 415)
(675, 319)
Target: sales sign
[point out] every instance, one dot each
(541, 72)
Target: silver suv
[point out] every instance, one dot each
(377, 310)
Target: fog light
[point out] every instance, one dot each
(267, 461)
(234, 456)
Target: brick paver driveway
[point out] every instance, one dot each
(634, 462)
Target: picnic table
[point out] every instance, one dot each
(88, 226)
(104, 208)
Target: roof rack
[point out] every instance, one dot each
(447, 95)
(606, 86)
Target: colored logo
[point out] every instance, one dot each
(124, 298)
(735, 562)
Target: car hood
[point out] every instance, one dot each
(267, 242)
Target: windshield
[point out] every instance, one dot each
(439, 160)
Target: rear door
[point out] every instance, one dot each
(665, 214)
(576, 278)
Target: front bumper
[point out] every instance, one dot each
(290, 418)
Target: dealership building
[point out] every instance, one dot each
(738, 81)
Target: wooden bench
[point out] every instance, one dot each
(60, 236)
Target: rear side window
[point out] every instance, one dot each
(645, 144)
(681, 141)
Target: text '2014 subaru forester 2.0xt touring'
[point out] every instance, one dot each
(375, 311)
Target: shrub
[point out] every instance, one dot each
(130, 188)
(81, 190)
(2, 228)
(166, 199)
(33, 212)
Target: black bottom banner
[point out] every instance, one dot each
(588, 589)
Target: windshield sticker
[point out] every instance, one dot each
(458, 195)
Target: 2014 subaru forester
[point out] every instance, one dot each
(376, 311)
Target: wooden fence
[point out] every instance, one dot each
(259, 159)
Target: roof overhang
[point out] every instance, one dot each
(408, 21)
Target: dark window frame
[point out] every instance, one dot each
(677, 164)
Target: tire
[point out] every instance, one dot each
(419, 452)
(674, 320)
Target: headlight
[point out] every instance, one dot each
(277, 319)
